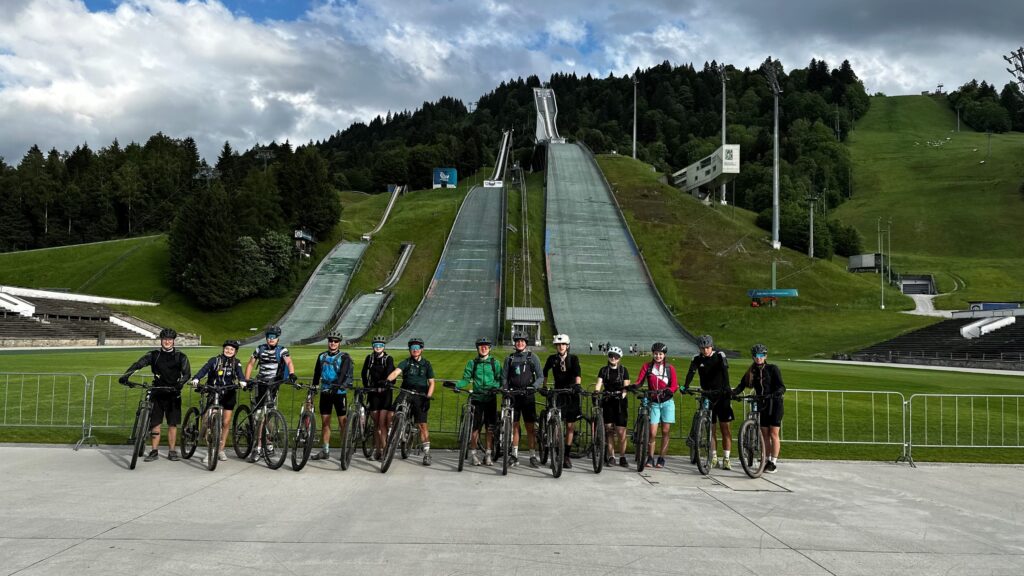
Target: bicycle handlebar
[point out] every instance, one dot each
(204, 388)
(149, 386)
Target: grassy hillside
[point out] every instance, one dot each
(952, 215)
(705, 259)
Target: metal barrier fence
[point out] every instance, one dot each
(964, 421)
(43, 400)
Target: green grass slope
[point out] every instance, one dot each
(952, 215)
(703, 261)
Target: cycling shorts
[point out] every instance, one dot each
(419, 406)
(333, 401)
(485, 412)
(525, 407)
(616, 411)
(772, 413)
(377, 401)
(663, 412)
(570, 406)
(165, 405)
(721, 410)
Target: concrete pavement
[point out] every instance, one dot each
(64, 512)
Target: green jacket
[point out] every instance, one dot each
(484, 375)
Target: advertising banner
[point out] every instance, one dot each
(445, 178)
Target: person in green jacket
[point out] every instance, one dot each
(484, 374)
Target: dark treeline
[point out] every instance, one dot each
(246, 213)
(985, 110)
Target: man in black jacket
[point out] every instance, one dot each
(170, 368)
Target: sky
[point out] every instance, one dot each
(252, 72)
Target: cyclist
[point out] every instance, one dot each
(614, 377)
(333, 373)
(565, 368)
(766, 379)
(522, 370)
(275, 363)
(713, 368)
(170, 368)
(377, 366)
(660, 376)
(223, 370)
(418, 375)
(484, 373)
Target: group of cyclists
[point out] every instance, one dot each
(484, 376)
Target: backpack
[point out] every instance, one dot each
(526, 362)
(477, 362)
(330, 367)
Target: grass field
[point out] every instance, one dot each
(828, 419)
(952, 215)
(514, 291)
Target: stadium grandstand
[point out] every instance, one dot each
(968, 342)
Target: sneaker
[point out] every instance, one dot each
(173, 456)
(255, 455)
(321, 455)
(206, 459)
(376, 455)
(726, 465)
(153, 455)
(714, 461)
(476, 458)
(770, 467)
(609, 460)
(534, 462)
(426, 458)
(270, 448)
(650, 462)
(222, 457)
(660, 463)
(487, 459)
(513, 461)
(567, 462)
(622, 462)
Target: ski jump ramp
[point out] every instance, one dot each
(599, 287)
(463, 300)
(320, 297)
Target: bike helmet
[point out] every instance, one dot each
(560, 339)
(334, 335)
(274, 331)
(705, 341)
(168, 333)
(659, 347)
(519, 336)
(233, 343)
(615, 351)
(759, 349)
(378, 339)
(483, 341)
(415, 342)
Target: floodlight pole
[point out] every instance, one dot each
(771, 72)
(724, 78)
(635, 81)
(810, 244)
(265, 154)
(1016, 61)
(881, 271)
(888, 236)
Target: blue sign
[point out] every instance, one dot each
(445, 178)
(779, 293)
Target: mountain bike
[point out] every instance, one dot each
(642, 425)
(268, 422)
(242, 431)
(592, 441)
(465, 423)
(141, 427)
(752, 450)
(503, 443)
(699, 440)
(551, 430)
(402, 432)
(206, 427)
(359, 428)
(305, 430)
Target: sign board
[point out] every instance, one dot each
(712, 171)
(779, 293)
(445, 178)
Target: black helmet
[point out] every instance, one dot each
(705, 341)
(334, 335)
(378, 339)
(415, 342)
(519, 336)
(233, 343)
(273, 330)
(759, 349)
(659, 347)
(483, 341)
(168, 333)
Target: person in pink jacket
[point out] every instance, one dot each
(660, 376)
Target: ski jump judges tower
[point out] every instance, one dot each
(702, 177)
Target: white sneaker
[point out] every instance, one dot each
(714, 461)
(487, 460)
(476, 458)
(222, 457)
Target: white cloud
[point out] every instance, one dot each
(567, 31)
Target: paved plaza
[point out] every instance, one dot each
(82, 513)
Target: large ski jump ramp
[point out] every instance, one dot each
(599, 288)
(462, 301)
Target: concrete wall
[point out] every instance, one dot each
(30, 292)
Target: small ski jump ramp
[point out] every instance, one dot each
(322, 293)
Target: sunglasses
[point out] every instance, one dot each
(760, 355)
(273, 336)
(378, 345)
(614, 356)
(415, 347)
(334, 341)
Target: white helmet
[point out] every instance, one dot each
(560, 339)
(616, 351)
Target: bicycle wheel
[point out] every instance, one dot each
(542, 437)
(691, 438)
(643, 440)
(704, 446)
(241, 431)
(274, 439)
(410, 438)
(556, 444)
(305, 435)
(506, 443)
(190, 433)
(465, 433)
(394, 438)
(751, 449)
(348, 446)
(369, 433)
(580, 446)
(139, 432)
(214, 420)
(597, 447)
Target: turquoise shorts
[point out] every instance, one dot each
(663, 412)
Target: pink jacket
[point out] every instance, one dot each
(656, 381)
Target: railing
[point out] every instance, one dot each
(844, 417)
(964, 421)
(43, 400)
(889, 355)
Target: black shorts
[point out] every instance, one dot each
(772, 413)
(570, 406)
(721, 410)
(419, 406)
(485, 412)
(228, 399)
(616, 411)
(165, 405)
(261, 396)
(524, 407)
(377, 401)
(335, 401)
